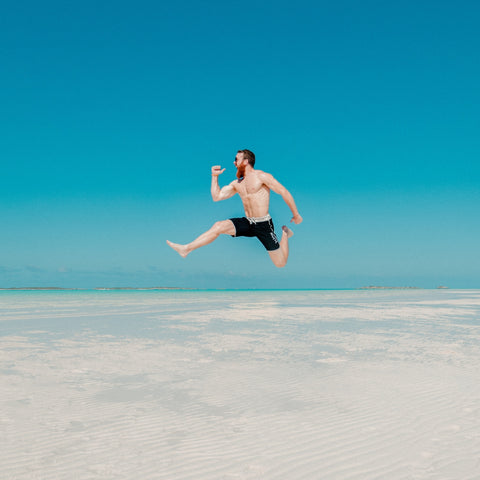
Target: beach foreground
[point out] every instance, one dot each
(240, 385)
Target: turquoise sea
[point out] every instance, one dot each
(290, 312)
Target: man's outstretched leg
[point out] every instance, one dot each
(224, 226)
(280, 256)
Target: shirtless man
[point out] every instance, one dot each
(254, 187)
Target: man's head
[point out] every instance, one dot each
(248, 155)
(242, 159)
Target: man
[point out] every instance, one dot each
(254, 187)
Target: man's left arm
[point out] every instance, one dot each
(277, 187)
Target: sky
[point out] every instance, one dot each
(112, 114)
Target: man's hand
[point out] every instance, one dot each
(217, 170)
(297, 219)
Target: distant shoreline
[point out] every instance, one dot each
(370, 287)
(374, 287)
(96, 288)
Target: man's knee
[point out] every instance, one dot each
(278, 258)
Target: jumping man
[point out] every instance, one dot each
(254, 187)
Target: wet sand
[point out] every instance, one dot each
(240, 385)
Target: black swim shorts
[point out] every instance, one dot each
(264, 231)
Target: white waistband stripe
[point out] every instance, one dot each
(259, 219)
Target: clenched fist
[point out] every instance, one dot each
(297, 219)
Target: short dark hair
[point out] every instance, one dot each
(250, 156)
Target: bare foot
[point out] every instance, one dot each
(180, 249)
(287, 231)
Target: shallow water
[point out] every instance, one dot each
(240, 384)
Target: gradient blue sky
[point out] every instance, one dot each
(113, 113)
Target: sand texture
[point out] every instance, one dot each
(240, 385)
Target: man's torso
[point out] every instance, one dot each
(254, 193)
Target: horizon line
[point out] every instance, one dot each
(369, 287)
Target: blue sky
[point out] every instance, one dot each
(114, 112)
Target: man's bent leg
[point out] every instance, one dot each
(280, 256)
(224, 226)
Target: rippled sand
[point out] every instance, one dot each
(240, 385)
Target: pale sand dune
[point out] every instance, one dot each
(201, 385)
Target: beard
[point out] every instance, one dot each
(241, 171)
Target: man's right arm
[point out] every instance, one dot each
(277, 187)
(217, 192)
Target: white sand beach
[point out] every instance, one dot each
(240, 385)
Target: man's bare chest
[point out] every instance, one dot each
(249, 187)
